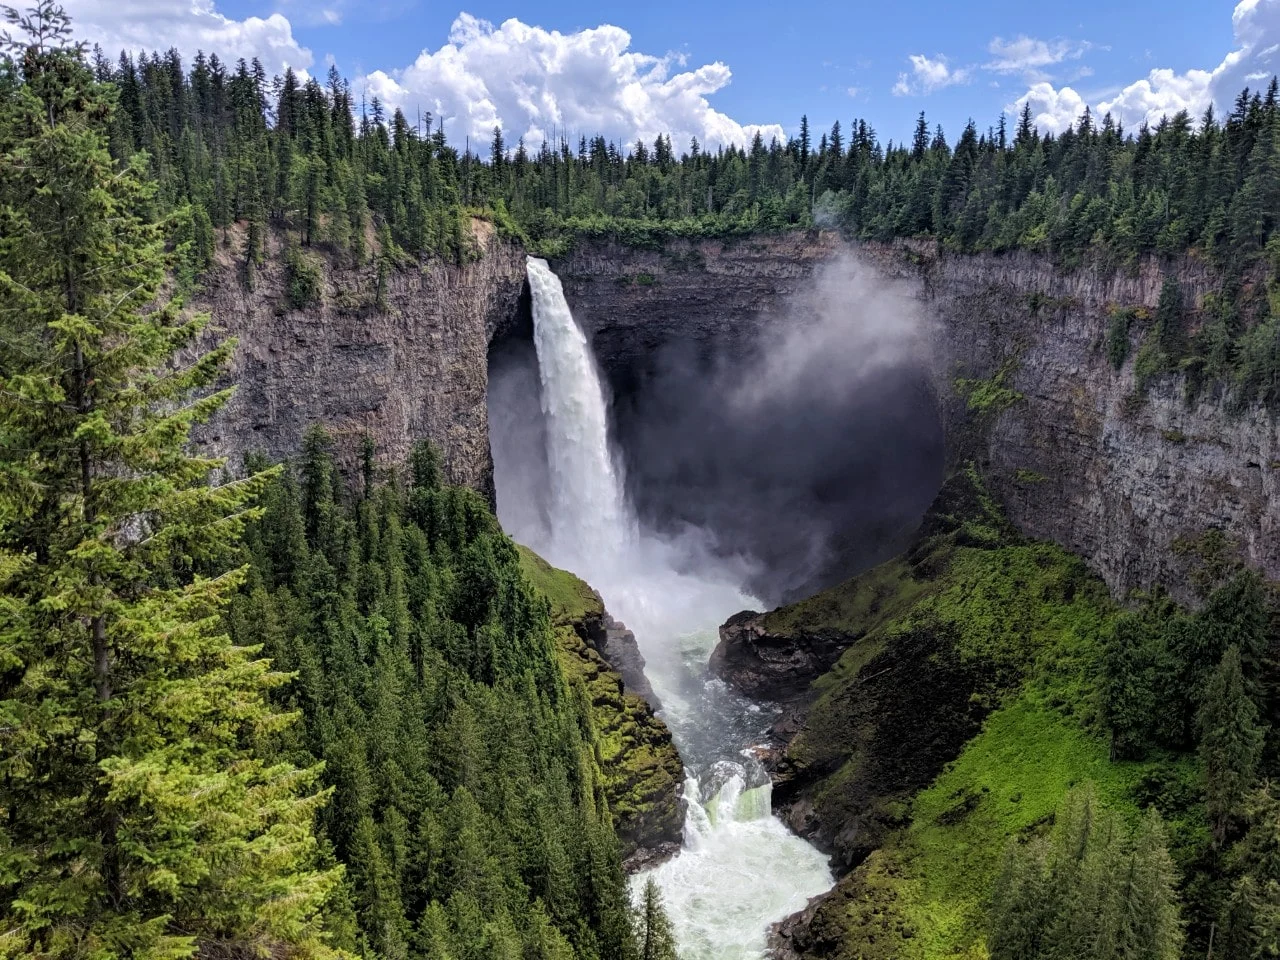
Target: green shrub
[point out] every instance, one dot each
(303, 278)
(1118, 337)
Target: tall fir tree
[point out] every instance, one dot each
(140, 817)
(654, 936)
(1231, 742)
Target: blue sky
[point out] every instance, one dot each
(718, 71)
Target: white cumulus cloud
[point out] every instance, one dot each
(189, 25)
(1052, 110)
(929, 74)
(1028, 55)
(1164, 92)
(535, 82)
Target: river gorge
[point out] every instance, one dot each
(596, 400)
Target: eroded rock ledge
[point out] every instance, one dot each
(770, 666)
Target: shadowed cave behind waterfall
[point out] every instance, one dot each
(801, 450)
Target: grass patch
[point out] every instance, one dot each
(571, 599)
(1007, 783)
(991, 396)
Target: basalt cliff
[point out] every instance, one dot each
(1128, 481)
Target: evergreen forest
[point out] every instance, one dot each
(286, 710)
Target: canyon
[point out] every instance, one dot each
(1129, 482)
(1142, 484)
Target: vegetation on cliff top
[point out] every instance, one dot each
(238, 145)
(642, 769)
(228, 145)
(1033, 688)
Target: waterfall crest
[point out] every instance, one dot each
(741, 869)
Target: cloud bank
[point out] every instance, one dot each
(1164, 92)
(189, 25)
(535, 83)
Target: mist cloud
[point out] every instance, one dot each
(813, 449)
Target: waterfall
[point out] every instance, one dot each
(741, 869)
(588, 507)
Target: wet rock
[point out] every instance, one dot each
(775, 667)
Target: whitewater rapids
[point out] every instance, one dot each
(740, 869)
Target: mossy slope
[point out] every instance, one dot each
(642, 769)
(958, 720)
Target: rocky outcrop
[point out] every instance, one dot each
(416, 370)
(773, 666)
(643, 773)
(613, 641)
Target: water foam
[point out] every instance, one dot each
(740, 869)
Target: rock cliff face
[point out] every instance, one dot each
(633, 302)
(1128, 482)
(417, 370)
(1078, 456)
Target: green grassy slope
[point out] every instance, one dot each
(1004, 636)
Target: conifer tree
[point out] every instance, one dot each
(141, 816)
(1231, 742)
(653, 927)
(1090, 890)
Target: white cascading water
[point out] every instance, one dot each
(741, 869)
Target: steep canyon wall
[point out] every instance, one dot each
(1128, 479)
(1077, 456)
(416, 370)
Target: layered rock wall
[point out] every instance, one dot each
(1128, 480)
(1078, 457)
(416, 370)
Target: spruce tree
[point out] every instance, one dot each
(1231, 743)
(653, 926)
(140, 814)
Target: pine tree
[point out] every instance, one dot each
(653, 927)
(1231, 743)
(1090, 890)
(1169, 316)
(142, 817)
(1150, 926)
